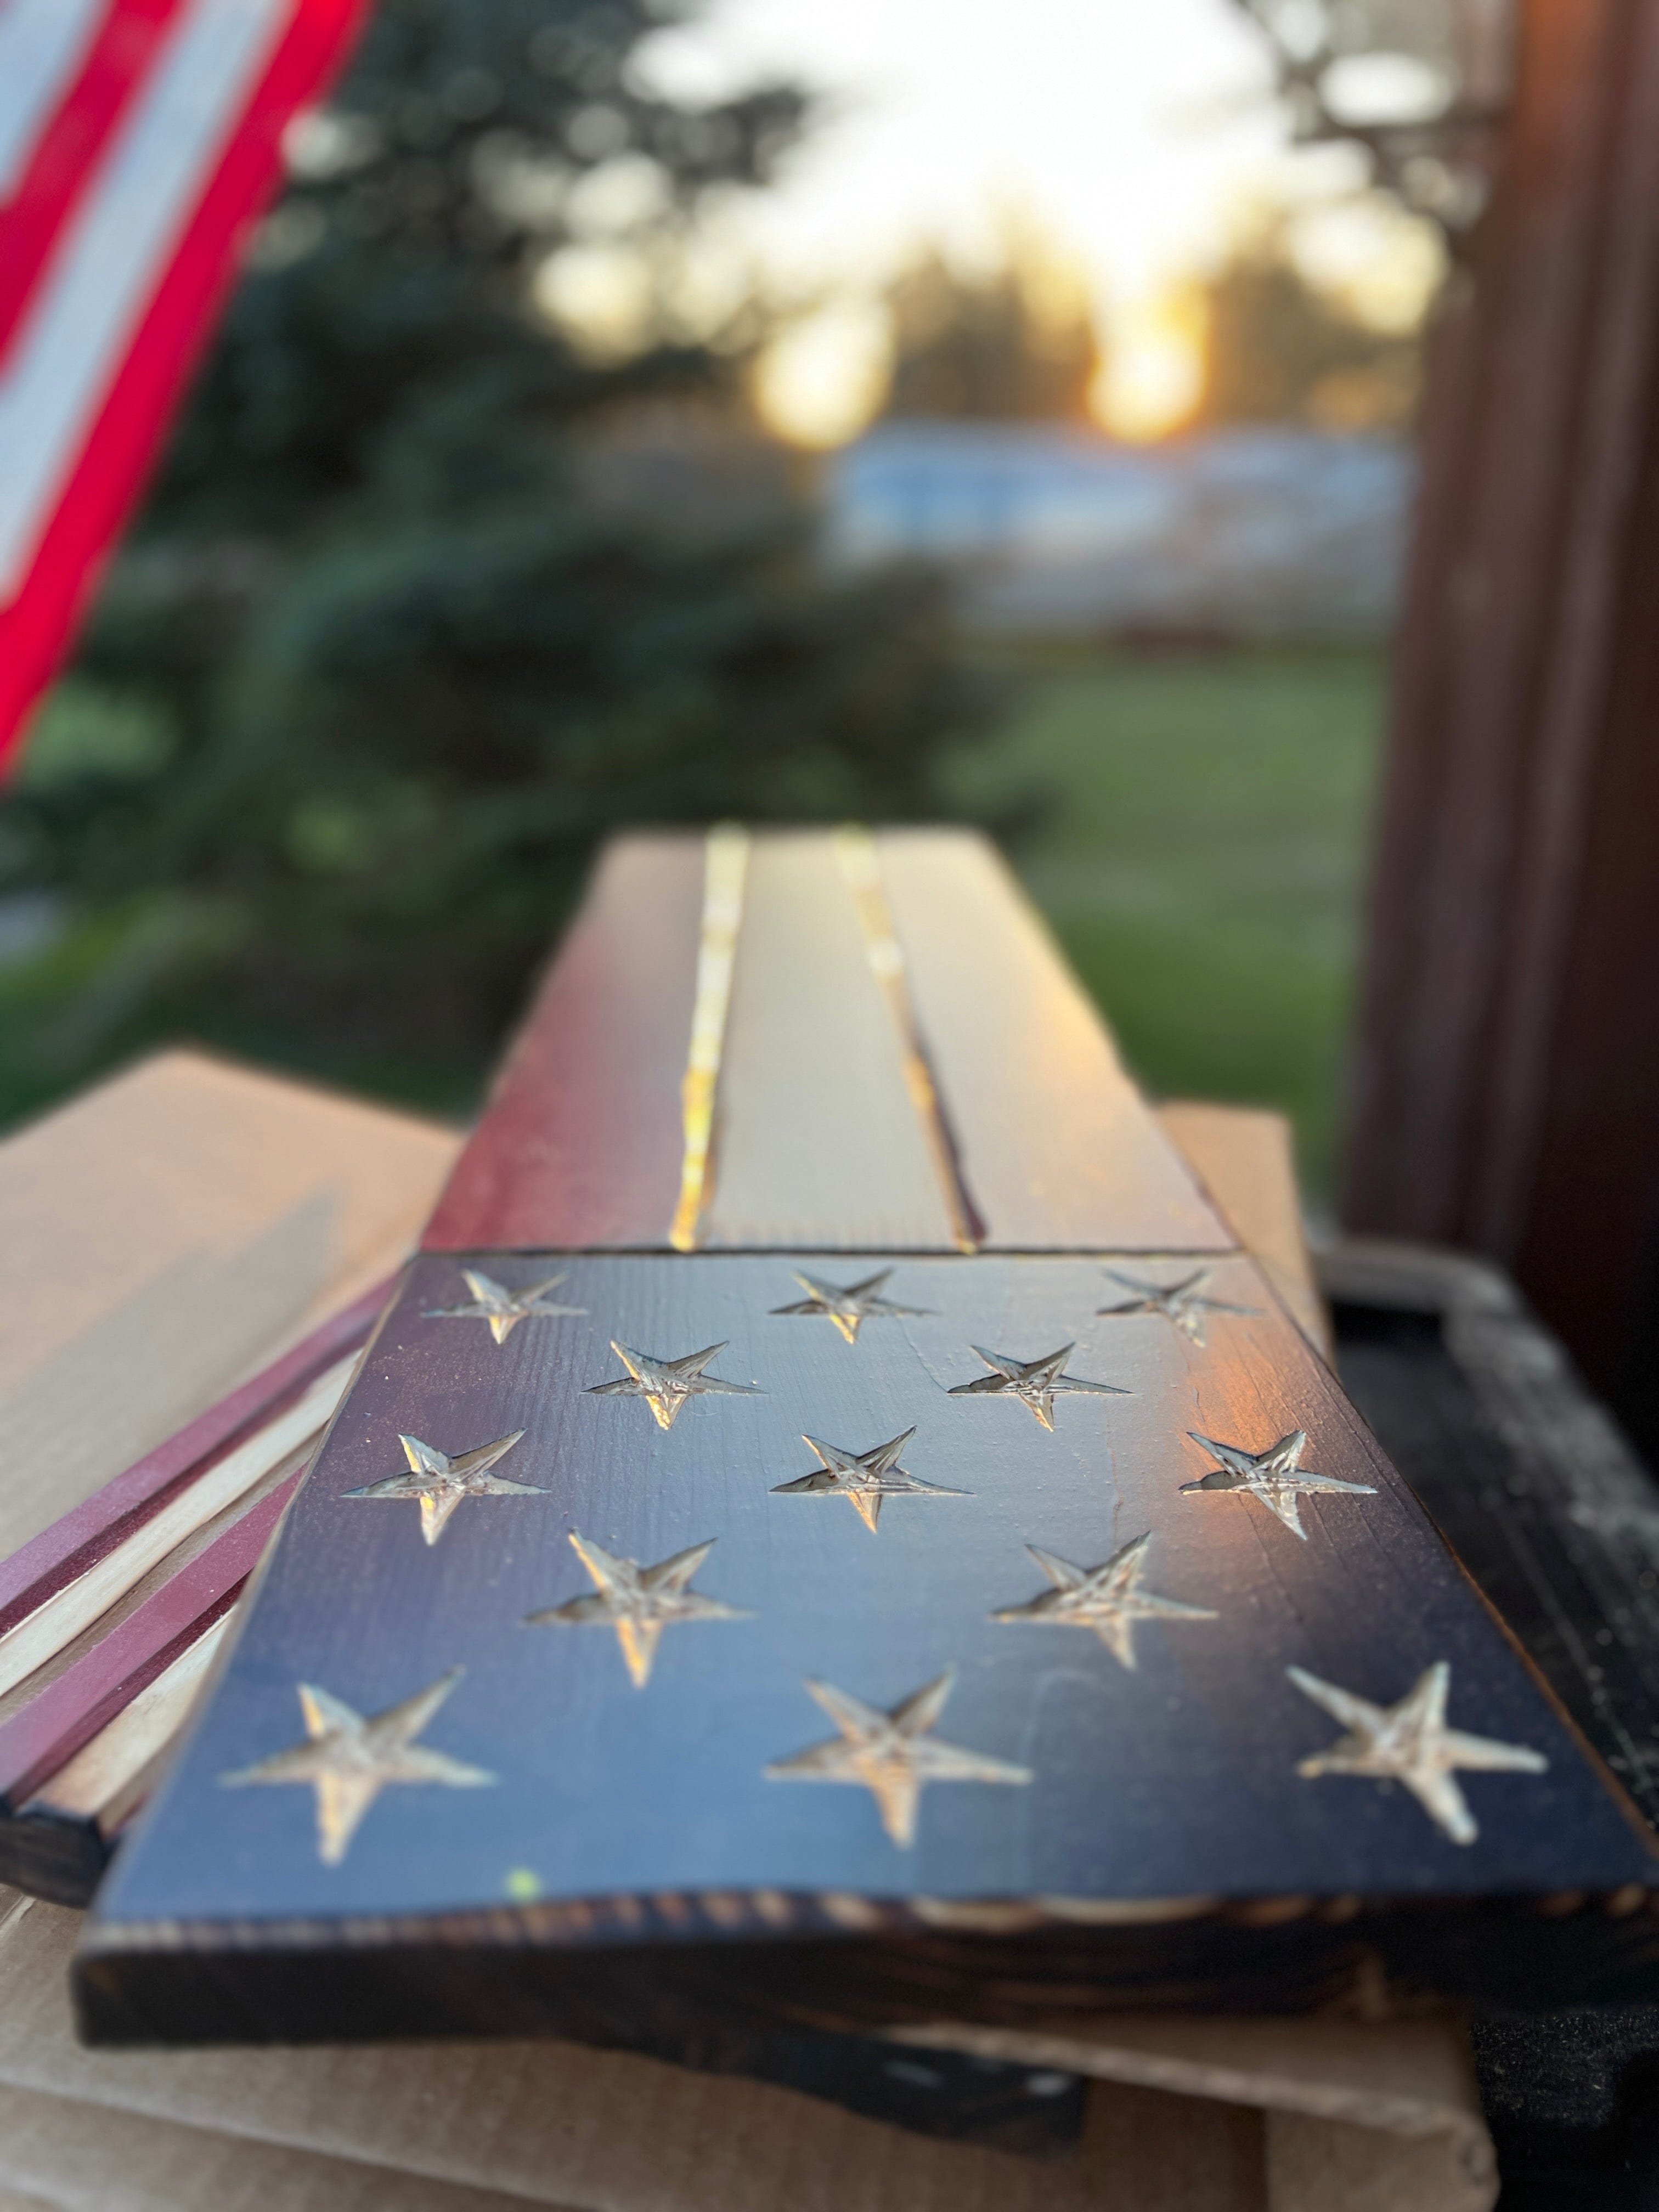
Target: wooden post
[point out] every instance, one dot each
(1506, 1092)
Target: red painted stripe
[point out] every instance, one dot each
(54, 1558)
(115, 458)
(581, 1141)
(64, 162)
(36, 1742)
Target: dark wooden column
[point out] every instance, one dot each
(1506, 1093)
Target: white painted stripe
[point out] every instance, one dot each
(107, 266)
(42, 45)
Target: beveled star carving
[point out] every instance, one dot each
(1273, 1476)
(864, 1478)
(666, 1385)
(894, 1755)
(847, 1307)
(503, 1308)
(1036, 1382)
(349, 1758)
(440, 1483)
(1410, 1743)
(1107, 1599)
(1182, 1303)
(638, 1603)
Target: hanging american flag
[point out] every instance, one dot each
(138, 138)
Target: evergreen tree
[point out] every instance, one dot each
(398, 645)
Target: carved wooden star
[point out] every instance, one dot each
(440, 1483)
(1410, 1743)
(502, 1309)
(864, 1478)
(1036, 1382)
(894, 1755)
(1107, 1599)
(638, 1603)
(1180, 1303)
(1273, 1476)
(666, 1385)
(847, 1307)
(348, 1759)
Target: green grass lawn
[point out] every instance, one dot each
(1200, 855)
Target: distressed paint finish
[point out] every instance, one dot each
(501, 1308)
(1177, 1778)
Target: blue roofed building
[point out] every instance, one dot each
(1253, 531)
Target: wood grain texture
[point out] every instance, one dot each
(69, 1712)
(226, 1480)
(1506, 1071)
(819, 1143)
(1058, 1151)
(97, 1526)
(581, 1142)
(114, 1771)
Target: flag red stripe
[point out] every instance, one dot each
(64, 162)
(116, 453)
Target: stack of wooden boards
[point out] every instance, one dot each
(169, 1237)
(154, 1182)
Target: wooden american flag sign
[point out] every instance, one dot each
(833, 1529)
(138, 138)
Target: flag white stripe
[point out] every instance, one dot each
(42, 45)
(117, 245)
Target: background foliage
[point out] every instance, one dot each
(392, 645)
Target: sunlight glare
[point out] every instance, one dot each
(1152, 378)
(824, 377)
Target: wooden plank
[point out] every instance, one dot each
(818, 1142)
(581, 1142)
(110, 1775)
(95, 1527)
(1505, 1096)
(46, 1631)
(166, 1235)
(1168, 1837)
(67, 1714)
(1244, 1159)
(109, 1614)
(1058, 1151)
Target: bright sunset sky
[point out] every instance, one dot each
(1134, 136)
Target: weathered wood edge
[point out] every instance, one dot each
(48, 1731)
(663, 1973)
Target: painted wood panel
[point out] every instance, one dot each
(1057, 1147)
